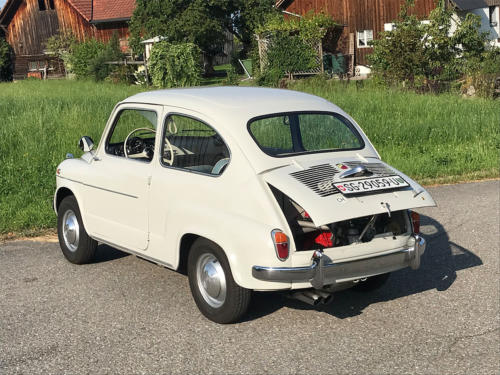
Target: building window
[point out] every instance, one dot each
(494, 16)
(364, 37)
(51, 4)
(41, 5)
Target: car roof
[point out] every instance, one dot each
(244, 101)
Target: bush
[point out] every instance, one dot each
(424, 56)
(88, 59)
(5, 61)
(291, 45)
(61, 45)
(175, 65)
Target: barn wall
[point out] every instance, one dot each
(30, 28)
(360, 15)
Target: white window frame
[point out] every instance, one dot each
(365, 38)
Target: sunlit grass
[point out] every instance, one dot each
(432, 138)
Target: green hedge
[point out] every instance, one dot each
(175, 65)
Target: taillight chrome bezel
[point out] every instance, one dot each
(280, 243)
(414, 221)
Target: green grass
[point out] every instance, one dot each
(432, 138)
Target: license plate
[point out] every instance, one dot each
(371, 184)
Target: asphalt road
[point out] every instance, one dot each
(125, 315)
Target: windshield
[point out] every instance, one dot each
(301, 132)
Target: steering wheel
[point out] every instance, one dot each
(136, 145)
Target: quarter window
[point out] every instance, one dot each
(133, 135)
(192, 145)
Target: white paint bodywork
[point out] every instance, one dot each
(147, 208)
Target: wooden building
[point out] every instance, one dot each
(363, 19)
(28, 24)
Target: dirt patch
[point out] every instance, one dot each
(49, 235)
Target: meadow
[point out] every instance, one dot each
(432, 138)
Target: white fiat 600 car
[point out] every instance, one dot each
(245, 189)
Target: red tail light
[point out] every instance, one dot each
(415, 221)
(281, 244)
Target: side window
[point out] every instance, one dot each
(133, 135)
(193, 145)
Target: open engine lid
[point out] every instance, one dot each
(333, 190)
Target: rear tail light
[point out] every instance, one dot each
(281, 244)
(415, 222)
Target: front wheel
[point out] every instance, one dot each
(74, 241)
(214, 290)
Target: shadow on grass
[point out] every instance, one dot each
(437, 271)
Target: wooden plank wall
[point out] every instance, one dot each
(30, 28)
(359, 15)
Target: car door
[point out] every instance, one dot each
(117, 198)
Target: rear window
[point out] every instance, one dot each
(300, 132)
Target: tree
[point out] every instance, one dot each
(417, 53)
(202, 22)
(5, 61)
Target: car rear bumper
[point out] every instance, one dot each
(323, 271)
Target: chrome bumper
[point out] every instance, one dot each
(323, 271)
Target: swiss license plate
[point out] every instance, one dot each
(370, 184)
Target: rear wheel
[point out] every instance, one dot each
(214, 290)
(372, 283)
(74, 241)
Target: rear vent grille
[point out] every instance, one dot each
(319, 179)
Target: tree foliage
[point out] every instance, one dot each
(175, 65)
(292, 44)
(417, 53)
(5, 61)
(88, 59)
(201, 22)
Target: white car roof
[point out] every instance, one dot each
(232, 107)
(245, 101)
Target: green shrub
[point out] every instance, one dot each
(5, 61)
(175, 65)
(424, 56)
(88, 59)
(61, 45)
(291, 45)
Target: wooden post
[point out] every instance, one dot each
(146, 66)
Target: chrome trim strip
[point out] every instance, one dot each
(132, 252)
(98, 187)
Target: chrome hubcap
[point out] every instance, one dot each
(71, 230)
(211, 280)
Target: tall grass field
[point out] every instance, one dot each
(431, 138)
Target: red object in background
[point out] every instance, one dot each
(35, 75)
(324, 239)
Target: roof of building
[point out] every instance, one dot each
(95, 11)
(474, 4)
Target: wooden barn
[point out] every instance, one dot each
(28, 24)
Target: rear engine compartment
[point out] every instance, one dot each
(343, 233)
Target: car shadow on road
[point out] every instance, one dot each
(105, 253)
(438, 270)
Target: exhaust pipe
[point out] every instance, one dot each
(326, 298)
(308, 297)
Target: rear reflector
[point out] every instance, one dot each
(415, 221)
(281, 244)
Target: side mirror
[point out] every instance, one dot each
(86, 144)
